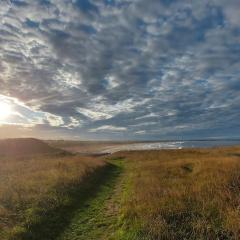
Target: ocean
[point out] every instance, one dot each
(172, 145)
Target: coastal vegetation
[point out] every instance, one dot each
(134, 195)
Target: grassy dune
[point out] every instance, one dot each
(30, 187)
(182, 194)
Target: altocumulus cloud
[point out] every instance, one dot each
(120, 68)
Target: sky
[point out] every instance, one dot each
(120, 69)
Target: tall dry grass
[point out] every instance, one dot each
(183, 194)
(30, 185)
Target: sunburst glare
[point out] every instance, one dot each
(5, 110)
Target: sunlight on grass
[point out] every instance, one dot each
(33, 185)
(183, 194)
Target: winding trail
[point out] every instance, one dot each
(98, 218)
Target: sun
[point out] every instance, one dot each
(5, 110)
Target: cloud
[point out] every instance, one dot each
(83, 66)
(93, 115)
(108, 128)
(21, 114)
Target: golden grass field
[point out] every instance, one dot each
(183, 194)
(30, 185)
(161, 195)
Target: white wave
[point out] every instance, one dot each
(144, 146)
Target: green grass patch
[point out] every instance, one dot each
(188, 167)
(78, 205)
(96, 220)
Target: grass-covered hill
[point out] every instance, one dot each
(24, 146)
